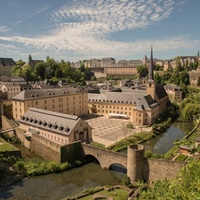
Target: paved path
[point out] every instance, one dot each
(109, 131)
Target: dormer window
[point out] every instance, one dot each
(55, 126)
(44, 123)
(61, 128)
(67, 129)
(49, 124)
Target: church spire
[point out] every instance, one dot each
(151, 66)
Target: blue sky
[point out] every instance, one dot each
(75, 30)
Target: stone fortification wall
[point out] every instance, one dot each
(72, 152)
(135, 162)
(45, 148)
(155, 169)
(21, 137)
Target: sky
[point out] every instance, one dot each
(75, 30)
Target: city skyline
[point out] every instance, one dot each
(85, 29)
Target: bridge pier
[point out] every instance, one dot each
(135, 162)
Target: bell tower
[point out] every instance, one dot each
(151, 84)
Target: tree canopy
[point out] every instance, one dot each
(185, 186)
(53, 71)
(142, 71)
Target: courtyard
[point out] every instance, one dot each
(108, 131)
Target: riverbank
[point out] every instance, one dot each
(188, 140)
(16, 169)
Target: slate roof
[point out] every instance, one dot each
(46, 93)
(33, 63)
(160, 91)
(25, 86)
(10, 85)
(7, 62)
(52, 121)
(140, 100)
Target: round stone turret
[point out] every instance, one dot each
(135, 162)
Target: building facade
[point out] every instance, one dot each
(107, 62)
(57, 127)
(68, 100)
(121, 70)
(12, 89)
(141, 105)
(174, 92)
(6, 65)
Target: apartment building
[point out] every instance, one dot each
(174, 92)
(68, 100)
(12, 89)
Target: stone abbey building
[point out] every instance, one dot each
(141, 105)
(67, 100)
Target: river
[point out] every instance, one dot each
(163, 143)
(60, 185)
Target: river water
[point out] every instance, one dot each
(164, 142)
(61, 185)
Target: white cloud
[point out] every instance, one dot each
(4, 29)
(85, 28)
(43, 9)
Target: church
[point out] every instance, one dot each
(140, 105)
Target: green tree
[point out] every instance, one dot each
(142, 71)
(28, 73)
(157, 78)
(184, 78)
(185, 186)
(16, 71)
(40, 70)
(20, 63)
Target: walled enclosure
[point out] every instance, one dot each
(138, 167)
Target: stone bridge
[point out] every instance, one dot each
(106, 158)
(133, 161)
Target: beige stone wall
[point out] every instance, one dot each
(139, 117)
(160, 169)
(12, 90)
(74, 134)
(120, 70)
(45, 148)
(71, 104)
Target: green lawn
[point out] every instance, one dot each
(117, 194)
(4, 146)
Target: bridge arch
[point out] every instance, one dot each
(90, 158)
(105, 157)
(118, 167)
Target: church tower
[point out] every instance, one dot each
(151, 84)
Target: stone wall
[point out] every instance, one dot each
(72, 152)
(20, 135)
(155, 169)
(45, 148)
